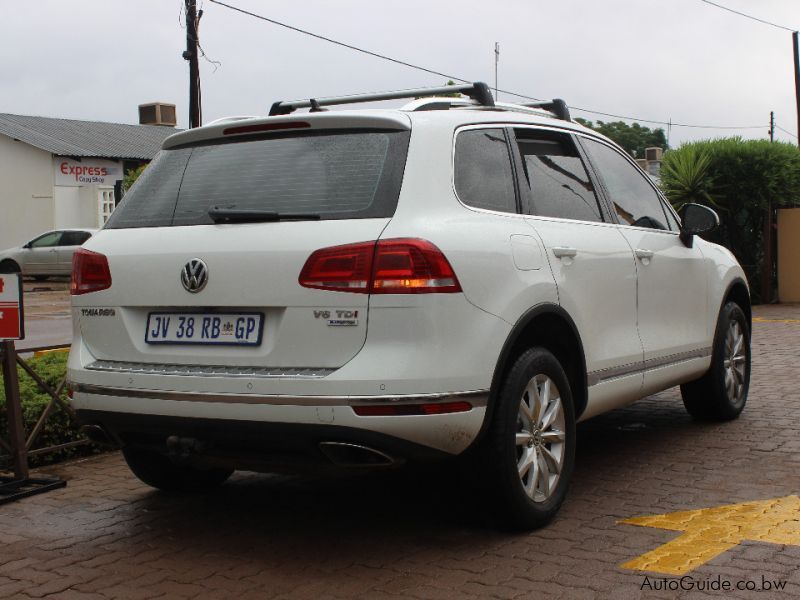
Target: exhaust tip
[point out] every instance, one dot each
(98, 435)
(344, 454)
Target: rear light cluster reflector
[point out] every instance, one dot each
(90, 272)
(394, 266)
(391, 410)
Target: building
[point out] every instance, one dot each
(651, 163)
(61, 173)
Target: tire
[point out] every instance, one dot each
(158, 471)
(720, 394)
(518, 443)
(9, 266)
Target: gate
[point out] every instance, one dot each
(19, 445)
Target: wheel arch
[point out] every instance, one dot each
(10, 262)
(738, 292)
(549, 326)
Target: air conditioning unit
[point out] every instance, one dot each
(653, 154)
(157, 113)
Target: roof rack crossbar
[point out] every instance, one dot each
(478, 91)
(556, 106)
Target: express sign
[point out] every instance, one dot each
(11, 321)
(86, 172)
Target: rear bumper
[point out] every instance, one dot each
(258, 446)
(132, 413)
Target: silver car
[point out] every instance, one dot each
(47, 254)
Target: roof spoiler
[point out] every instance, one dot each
(478, 91)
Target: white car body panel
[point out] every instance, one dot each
(405, 346)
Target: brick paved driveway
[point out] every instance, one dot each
(404, 535)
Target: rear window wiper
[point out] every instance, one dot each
(223, 214)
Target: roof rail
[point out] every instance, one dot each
(478, 91)
(556, 106)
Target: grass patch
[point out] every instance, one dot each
(58, 428)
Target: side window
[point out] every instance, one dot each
(47, 240)
(483, 175)
(672, 221)
(559, 183)
(74, 238)
(634, 199)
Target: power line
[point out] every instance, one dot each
(741, 14)
(784, 131)
(453, 77)
(668, 123)
(338, 43)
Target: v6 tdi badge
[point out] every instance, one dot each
(338, 318)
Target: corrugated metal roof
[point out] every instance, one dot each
(68, 137)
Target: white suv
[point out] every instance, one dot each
(371, 287)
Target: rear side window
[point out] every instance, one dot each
(342, 175)
(635, 201)
(47, 240)
(483, 175)
(74, 238)
(558, 181)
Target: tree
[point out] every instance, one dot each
(131, 176)
(741, 180)
(685, 178)
(633, 138)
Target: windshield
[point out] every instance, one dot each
(336, 175)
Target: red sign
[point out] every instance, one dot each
(11, 322)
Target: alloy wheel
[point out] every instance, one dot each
(735, 362)
(540, 438)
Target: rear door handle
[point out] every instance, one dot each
(644, 254)
(565, 252)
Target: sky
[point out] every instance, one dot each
(679, 60)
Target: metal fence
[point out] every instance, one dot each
(19, 444)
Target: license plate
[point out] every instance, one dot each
(223, 329)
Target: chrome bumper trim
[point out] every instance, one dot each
(477, 398)
(114, 366)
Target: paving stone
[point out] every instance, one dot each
(409, 534)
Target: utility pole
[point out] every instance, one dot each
(497, 60)
(796, 83)
(190, 54)
(669, 130)
(771, 126)
(766, 235)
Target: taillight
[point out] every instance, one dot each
(411, 266)
(398, 266)
(90, 272)
(340, 268)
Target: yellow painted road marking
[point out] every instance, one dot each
(709, 532)
(763, 320)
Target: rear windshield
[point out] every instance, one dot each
(352, 175)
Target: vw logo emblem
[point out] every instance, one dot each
(194, 275)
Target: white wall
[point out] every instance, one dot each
(75, 206)
(26, 192)
(67, 205)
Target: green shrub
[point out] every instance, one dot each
(739, 179)
(58, 428)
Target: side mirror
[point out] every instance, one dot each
(28, 245)
(695, 220)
